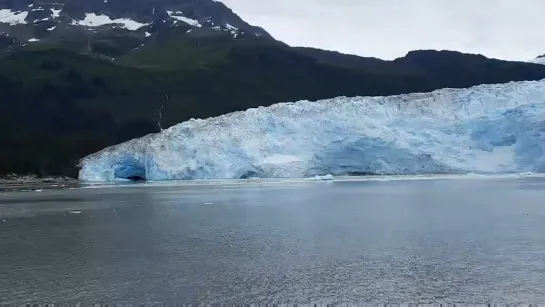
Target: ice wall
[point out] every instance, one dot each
(484, 129)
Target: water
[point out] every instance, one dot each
(479, 240)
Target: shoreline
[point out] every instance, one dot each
(32, 183)
(30, 179)
(16, 183)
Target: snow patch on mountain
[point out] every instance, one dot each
(484, 129)
(179, 16)
(94, 20)
(55, 13)
(12, 17)
(19, 17)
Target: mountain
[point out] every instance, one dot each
(484, 129)
(539, 60)
(81, 86)
(113, 27)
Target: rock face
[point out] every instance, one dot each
(25, 22)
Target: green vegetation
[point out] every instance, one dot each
(59, 105)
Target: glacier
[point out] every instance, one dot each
(488, 129)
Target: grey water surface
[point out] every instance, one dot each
(464, 240)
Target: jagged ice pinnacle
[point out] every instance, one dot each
(484, 129)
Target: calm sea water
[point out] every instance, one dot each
(479, 240)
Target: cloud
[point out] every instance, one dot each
(505, 29)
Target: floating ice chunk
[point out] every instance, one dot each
(327, 177)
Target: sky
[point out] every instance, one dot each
(387, 29)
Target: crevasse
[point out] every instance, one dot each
(484, 129)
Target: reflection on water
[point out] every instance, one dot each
(403, 241)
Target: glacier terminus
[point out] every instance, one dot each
(487, 129)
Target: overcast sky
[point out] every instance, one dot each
(505, 29)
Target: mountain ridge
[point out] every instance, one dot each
(24, 23)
